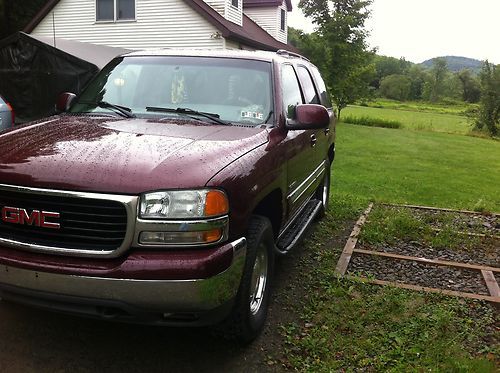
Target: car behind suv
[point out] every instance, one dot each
(7, 116)
(163, 192)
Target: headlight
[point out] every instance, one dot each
(184, 204)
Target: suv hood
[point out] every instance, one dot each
(121, 156)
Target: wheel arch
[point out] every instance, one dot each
(271, 206)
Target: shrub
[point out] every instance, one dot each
(372, 122)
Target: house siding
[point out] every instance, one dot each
(158, 24)
(281, 35)
(229, 44)
(269, 18)
(226, 9)
(234, 14)
(265, 17)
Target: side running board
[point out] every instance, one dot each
(298, 228)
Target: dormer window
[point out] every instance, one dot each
(235, 3)
(283, 19)
(115, 10)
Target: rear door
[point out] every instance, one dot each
(300, 146)
(311, 96)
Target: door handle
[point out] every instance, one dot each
(313, 140)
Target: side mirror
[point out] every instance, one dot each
(64, 102)
(308, 117)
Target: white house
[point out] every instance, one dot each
(140, 24)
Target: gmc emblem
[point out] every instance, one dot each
(37, 218)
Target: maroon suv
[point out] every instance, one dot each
(164, 191)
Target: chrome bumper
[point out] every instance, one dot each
(165, 296)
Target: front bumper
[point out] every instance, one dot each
(153, 301)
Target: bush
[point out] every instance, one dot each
(396, 87)
(372, 122)
(488, 117)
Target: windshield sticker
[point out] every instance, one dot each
(252, 115)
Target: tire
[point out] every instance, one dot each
(323, 191)
(249, 314)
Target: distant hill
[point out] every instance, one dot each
(457, 63)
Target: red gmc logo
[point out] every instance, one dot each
(37, 218)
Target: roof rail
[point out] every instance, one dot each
(284, 52)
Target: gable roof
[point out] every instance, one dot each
(263, 3)
(250, 33)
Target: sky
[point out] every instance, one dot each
(421, 29)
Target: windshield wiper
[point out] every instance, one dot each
(187, 111)
(122, 110)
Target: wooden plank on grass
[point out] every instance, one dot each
(438, 209)
(426, 289)
(491, 283)
(437, 262)
(345, 257)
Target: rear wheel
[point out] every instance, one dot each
(250, 310)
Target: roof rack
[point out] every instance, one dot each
(284, 52)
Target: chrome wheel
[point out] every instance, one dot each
(259, 279)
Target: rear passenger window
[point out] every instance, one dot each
(309, 91)
(291, 90)
(323, 92)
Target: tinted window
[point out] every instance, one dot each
(105, 10)
(307, 84)
(291, 90)
(125, 9)
(323, 92)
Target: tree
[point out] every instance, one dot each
(309, 44)
(435, 86)
(396, 87)
(471, 90)
(386, 66)
(418, 76)
(488, 117)
(345, 58)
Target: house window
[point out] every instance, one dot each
(283, 19)
(235, 3)
(115, 10)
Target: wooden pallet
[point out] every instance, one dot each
(350, 249)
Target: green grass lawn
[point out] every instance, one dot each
(352, 326)
(426, 168)
(348, 325)
(455, 107)
(415, 120)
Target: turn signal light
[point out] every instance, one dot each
(216, 203)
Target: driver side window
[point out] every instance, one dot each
(291, 90)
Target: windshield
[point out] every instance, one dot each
(236, 90)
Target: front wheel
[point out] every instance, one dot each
(250, 310)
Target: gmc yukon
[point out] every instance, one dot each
(163, 192)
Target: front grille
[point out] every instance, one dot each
(85, 223)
